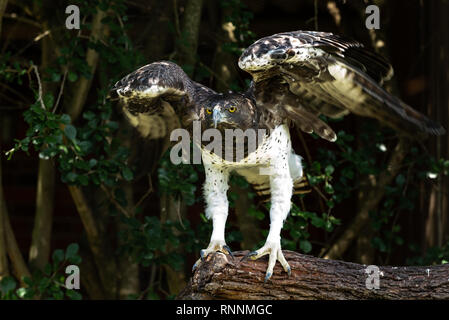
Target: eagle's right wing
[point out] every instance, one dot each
(157, 99)
(157, 95)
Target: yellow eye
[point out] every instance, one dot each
(232, 109)
(208, 111)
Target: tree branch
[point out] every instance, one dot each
(371, 195)
(220, 277)
(3, 253)
(82, 86)
(105, 265)
(43, 220)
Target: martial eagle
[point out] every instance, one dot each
(297, 76)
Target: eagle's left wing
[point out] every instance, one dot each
(303, 74)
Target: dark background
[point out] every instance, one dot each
(415, 37)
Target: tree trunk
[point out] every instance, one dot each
(220, 277)
(43, 220)
(190, 30)
(437, 220)
(173, 209)
(8, 243)
(98, 242)
(128, 268)
(82, 86)
(3, 253)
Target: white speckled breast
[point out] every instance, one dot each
(274, 143)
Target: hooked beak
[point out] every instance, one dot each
(216, 116)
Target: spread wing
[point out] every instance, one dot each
(156, 99)
(155, 96)
(303, 74)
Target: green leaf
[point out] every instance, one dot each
(21, 292)
(112, 125)
(71, 176)
(70, 131)
(49, 100)
(305, 246)
(65, 119)
(55, 77)
(329, 170)
(7, 284)
(127, 174)
(71, 251)
(47, 269)
(58, 256)
(58, 294)
(89, 115)
(83, 180)
(73, 295)
(400, 179)
(92, 163)
(72, 76)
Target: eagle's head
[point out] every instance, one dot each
(230, 111)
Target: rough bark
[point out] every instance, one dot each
(220, 277)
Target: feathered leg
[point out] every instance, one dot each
(215, 189)
(281, 184)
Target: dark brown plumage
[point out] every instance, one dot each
(307, 73)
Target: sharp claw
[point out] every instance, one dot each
(229, 251)
(252, 254)
(195, 266)
(249, 254)
(202, 254)
(289, 271)
(267, 277)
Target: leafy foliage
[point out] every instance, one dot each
(49, 284)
